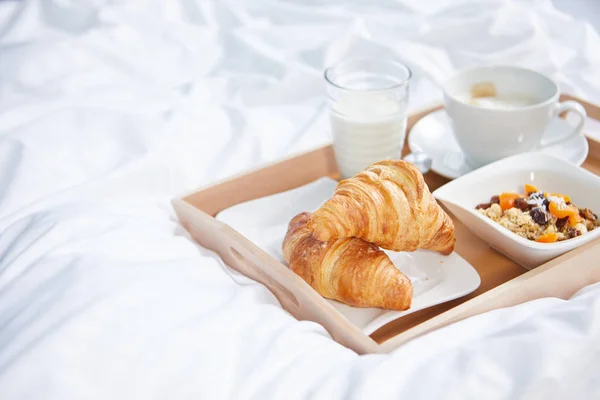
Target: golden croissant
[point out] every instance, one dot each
(349, 270)
(387, 204)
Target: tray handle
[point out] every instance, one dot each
(293, 293)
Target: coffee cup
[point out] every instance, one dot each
(499, 111)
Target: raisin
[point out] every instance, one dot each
(522, 204)
(587, 214)
(495, 200)
(540, 216)
(561, 223)
(484, 206)
(572, 232)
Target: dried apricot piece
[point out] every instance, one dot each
(507, 200)
(547, 238)
(530, 188)
(561, 210)
(574, 219)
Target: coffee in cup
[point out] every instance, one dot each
(499, 111)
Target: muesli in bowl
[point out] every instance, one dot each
(539, 216)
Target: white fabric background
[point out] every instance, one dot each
(110, 108)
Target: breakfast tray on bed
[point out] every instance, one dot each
(503, 282)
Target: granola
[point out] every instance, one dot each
(539, 216)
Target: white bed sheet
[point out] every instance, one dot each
(110, 108)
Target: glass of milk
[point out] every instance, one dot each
(368, 99)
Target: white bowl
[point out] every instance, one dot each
(548, 173)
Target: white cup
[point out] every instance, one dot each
(368, 99)
(508, 116)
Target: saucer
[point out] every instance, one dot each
(433, 135)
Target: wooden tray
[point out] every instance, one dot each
(503, 283)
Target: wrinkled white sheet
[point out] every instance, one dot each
(110, 108)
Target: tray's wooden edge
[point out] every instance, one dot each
(260, 179)
(593, 111)
(293, 293)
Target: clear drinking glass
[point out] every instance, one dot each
(368, 100)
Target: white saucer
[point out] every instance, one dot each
(433, 135)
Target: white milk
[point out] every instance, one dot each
(366, 127)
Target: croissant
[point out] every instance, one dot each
(387, 204)
(349, 270)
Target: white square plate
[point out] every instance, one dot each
(436, 278)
